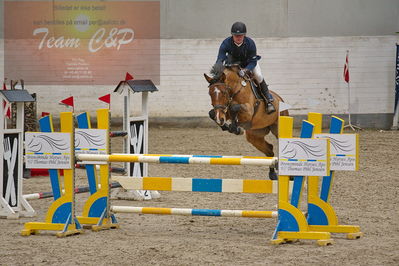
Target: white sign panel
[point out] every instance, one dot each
(343, 151)
(48, 150)
(303, 157)
(91, 141)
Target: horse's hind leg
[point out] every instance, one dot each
(257, 138)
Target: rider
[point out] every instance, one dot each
(242, 50)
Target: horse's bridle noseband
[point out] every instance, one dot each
(230, 97)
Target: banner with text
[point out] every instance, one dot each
(304, 157)
(344, 151)
(91, 141)
(48, 150)
(81, 42)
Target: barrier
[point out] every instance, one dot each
(61, 213)
(63, 219)
(292, 223)
(195, 212)
(12, 203)
(321, 215)
(180, 159)
(137, 127)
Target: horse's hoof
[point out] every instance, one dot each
(273, 176)
(225, 127)
(236, 130)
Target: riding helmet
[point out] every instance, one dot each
(238, 28)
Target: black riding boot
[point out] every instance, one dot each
(267, 96)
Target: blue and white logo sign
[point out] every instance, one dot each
(48, 150)
(303, 157)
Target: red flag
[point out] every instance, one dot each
(45, 114)
(68, 101)
(128, 76)
(346, 70)
(106, 98)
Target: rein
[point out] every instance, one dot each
(230, 97)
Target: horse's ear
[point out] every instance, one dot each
(208, 78)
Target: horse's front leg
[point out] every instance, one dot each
(234, 128)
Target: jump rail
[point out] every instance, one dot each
(176, 159)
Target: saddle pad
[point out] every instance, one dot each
(255, 90)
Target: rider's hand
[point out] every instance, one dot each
(242, 72)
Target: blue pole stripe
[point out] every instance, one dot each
(207, 185)
(205, 212)
(171, 159)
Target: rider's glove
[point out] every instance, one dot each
(242, 72)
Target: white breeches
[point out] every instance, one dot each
(257, 73)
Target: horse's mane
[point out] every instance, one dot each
(218, 69)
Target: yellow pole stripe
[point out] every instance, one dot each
(226, 161)
(123, 158)
(157, 183)
(258, 214)
(149, 210)
(257, 186)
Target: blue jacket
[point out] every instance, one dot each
(245, 54)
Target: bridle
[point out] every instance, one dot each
(227, 92)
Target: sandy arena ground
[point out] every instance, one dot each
(368, 198)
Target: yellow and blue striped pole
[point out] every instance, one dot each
(177, 159)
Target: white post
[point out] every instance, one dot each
(126, 127)
(22, 207)
(144, 114)
(5, 209)
(353, 127)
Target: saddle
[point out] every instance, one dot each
(255, 87)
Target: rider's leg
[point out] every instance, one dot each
(264, 89)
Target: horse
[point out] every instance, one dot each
(234, 101)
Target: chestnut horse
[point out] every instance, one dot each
(234, 102)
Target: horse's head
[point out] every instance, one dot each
(220, 84)
(220, 98)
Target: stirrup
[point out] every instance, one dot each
(270, 108)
